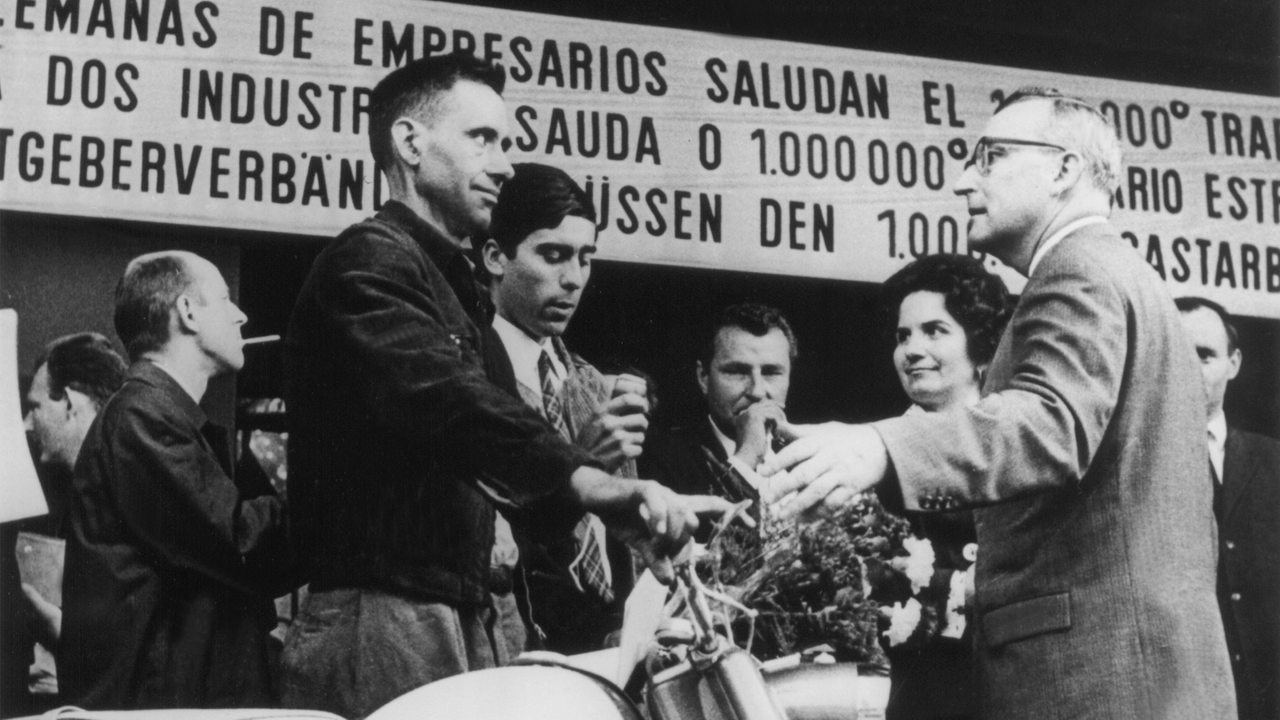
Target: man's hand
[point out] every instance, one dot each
(754, 427)
(49, 629)
(648, 516)
(830, 464)
(616, 432)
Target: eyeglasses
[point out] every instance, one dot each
(984, 150)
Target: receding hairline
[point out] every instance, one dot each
(191, 263)
(184, 257)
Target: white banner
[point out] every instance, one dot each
(701, 150)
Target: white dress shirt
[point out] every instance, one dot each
(761, 483)
(1217, 443)
(524, 352)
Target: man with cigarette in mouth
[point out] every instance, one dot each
(171, 566)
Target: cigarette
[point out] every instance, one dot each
(261, 339)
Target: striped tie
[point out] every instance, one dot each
(588, 568)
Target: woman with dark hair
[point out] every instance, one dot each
(948, 314)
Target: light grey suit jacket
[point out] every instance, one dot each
(1087, 462)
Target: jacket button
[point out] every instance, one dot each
(1231, 545)
(1235, 597)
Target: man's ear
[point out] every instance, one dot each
(1235, 358)
(404, 140)
(495, 261)
(184, 315)
(702, 377)
(78, 401)
(1070, 167)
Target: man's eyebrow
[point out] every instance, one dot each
(554, 247)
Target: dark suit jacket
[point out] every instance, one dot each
(1087, 462)
(690, 460)
(561, 617)
(1249, 570)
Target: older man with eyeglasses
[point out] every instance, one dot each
(1085, 460)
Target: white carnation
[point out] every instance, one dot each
(919, 565)
(903, 619)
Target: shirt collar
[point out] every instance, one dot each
(524, 352)
(729, 444)
(1058, 237)
(1218, 429)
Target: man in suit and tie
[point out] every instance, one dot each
(543, 231)
(744, 373)
(1085, 460)
(1246, 471)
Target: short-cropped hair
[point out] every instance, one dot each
(1080, 126)
(754, 318)
(84, 362)
(1193, 302)
(976, 298)
(415, 88)
(537, 197)
(145, 295)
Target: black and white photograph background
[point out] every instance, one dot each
(794, 154)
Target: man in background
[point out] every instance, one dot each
(73, 377)
(744, 373)
(171, 566)
(1246, 503)
(539, 262)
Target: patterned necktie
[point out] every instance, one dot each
(551, 404)
(589, 568)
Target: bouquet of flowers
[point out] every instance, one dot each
(857, 581)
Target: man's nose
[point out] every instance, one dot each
(757, 388)
(500, 165)
(27, 423)
(241, 318)
(571, 277)
(964, 183)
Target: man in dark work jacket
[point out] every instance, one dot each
(170, 566)
(399, 446)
